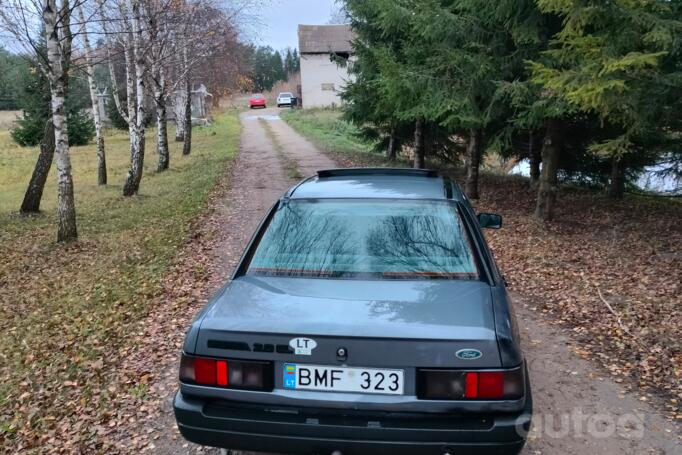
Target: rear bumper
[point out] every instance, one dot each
(241, 426)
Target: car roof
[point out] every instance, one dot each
(377, 183)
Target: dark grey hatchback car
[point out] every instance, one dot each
(366, 316)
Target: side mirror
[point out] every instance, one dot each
(490, 220)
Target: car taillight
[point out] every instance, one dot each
(204, 371)
(484, 385)
(234, 374)
(471, 385)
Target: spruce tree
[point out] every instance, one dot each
(393, 87)
(288, 63)
(296, 60)
(35, 103)
(366, 106)
(616, 60)
(277, 67)
(117, 121)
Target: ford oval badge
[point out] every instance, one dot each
(469, 354)
(302, 346)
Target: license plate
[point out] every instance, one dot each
(343, 379)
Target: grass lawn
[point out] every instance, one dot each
(326, 129)
(626, 252)
(66, 309)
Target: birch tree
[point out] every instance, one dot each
(129, 32)
(155, 36)
(158, 37)
(205, 28)
(179, 106)
(34, 191)
(59, 38)
(53, 19)
(187, 120)
(137, 132)
(187, 37)
(162, 42)
(181, 87)
(166, 21)
(90, 73)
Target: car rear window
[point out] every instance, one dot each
(389, 239)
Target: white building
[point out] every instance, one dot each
(321, 78)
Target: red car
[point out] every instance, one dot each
(257, 100)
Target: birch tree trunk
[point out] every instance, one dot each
(129, 184)
(187, 144)
(419, 146)
(473, 163)
(66, 208)
(56, 55)
(131, 100)
(34, 192)
(551, 151)
(161, 131)
(159, 80)
(90, 72)
(179, 111)
(136, 127)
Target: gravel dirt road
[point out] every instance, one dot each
(577, 408)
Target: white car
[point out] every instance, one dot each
(284, 99)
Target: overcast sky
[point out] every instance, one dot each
(280, 20)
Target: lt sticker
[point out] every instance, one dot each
(289, 376)
(303, 346)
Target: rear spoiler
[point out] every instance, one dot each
(326, 173)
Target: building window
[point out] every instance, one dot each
(328, 86)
